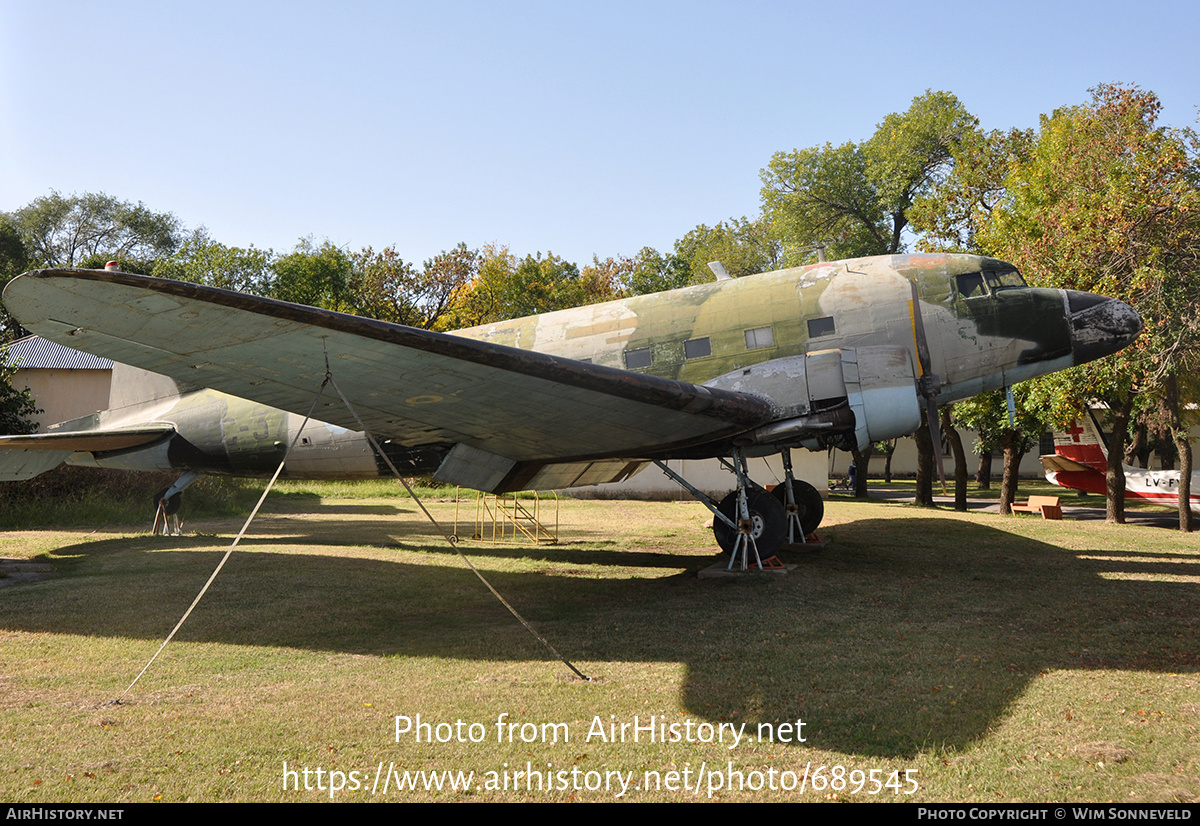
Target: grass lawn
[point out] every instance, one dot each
(931, 656)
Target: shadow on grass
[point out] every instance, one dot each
(883, 644)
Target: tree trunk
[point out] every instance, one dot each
(1183, 447)
(1114, 478)
(1138, 451)
(960, 460)
(1012, 463)
(887, 464)
(925, 469)
(983, 477)
(1168, 453)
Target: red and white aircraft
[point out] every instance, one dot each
(1080, 460)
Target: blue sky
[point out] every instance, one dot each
(579, 128)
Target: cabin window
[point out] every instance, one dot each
(759, 337)
(971, 285)
(697, 348)
(1004, 280)
(818, 327)
(637, 359)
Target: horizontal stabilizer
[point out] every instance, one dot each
(93, 441)
(19, 465)
(1060, 464)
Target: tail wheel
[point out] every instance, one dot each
(809, 504)
(768, 522)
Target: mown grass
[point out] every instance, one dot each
(77, 497)
(1002, 659)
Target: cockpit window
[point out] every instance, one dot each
(1004, 280)
(971, 285)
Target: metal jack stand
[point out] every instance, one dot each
(789, 504)
(745, 525)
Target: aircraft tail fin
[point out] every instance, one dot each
(1082, 443)
(134, 387)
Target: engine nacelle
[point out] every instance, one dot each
(881, 388)
(840, 398)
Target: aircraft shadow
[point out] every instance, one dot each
(884, 646)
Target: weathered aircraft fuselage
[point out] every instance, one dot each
(835, 348)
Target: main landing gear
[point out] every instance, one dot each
(751, 524)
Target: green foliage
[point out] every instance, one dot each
(911, 153)
(318, 276)
(857, 197)
(61, 231)
(823, 194)
(1108, 202)
(96, 261)
(744, 247)
(384, 286)
(203, 261)
(987, 415)
(951, 215)
(16, 406)
(507, 288)
(14, 260)
(653, 272)
(605, 280)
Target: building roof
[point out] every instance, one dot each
(37, 353)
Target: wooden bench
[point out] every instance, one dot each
(1047, 506)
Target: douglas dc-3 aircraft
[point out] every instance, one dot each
(833, 354)
(1080, 462)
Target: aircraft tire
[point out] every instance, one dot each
(172, 504)
(769, 517)
(808, 500)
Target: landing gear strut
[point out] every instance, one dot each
(762, 528)
(752, 524)
(801, 502)
(166, 505)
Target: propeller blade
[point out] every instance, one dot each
(928, 382)
(935, 433)
(914, 310)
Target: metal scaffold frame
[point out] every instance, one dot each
(505, 518)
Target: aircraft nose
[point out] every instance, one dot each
(1100, 325)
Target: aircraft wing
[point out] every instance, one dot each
(415, 387)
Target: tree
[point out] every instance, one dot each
(60, 231)
(16, 406)
(960, 458)
(987, 415)
(653, 272)
(203, 261)
(950, 215)
(317, 276)
(506, 287)
(384, 286)
(14, 260)
(743, 247)
(1106, 201)
(857, 197)
(605, 280)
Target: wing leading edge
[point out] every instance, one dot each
(413, 386)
